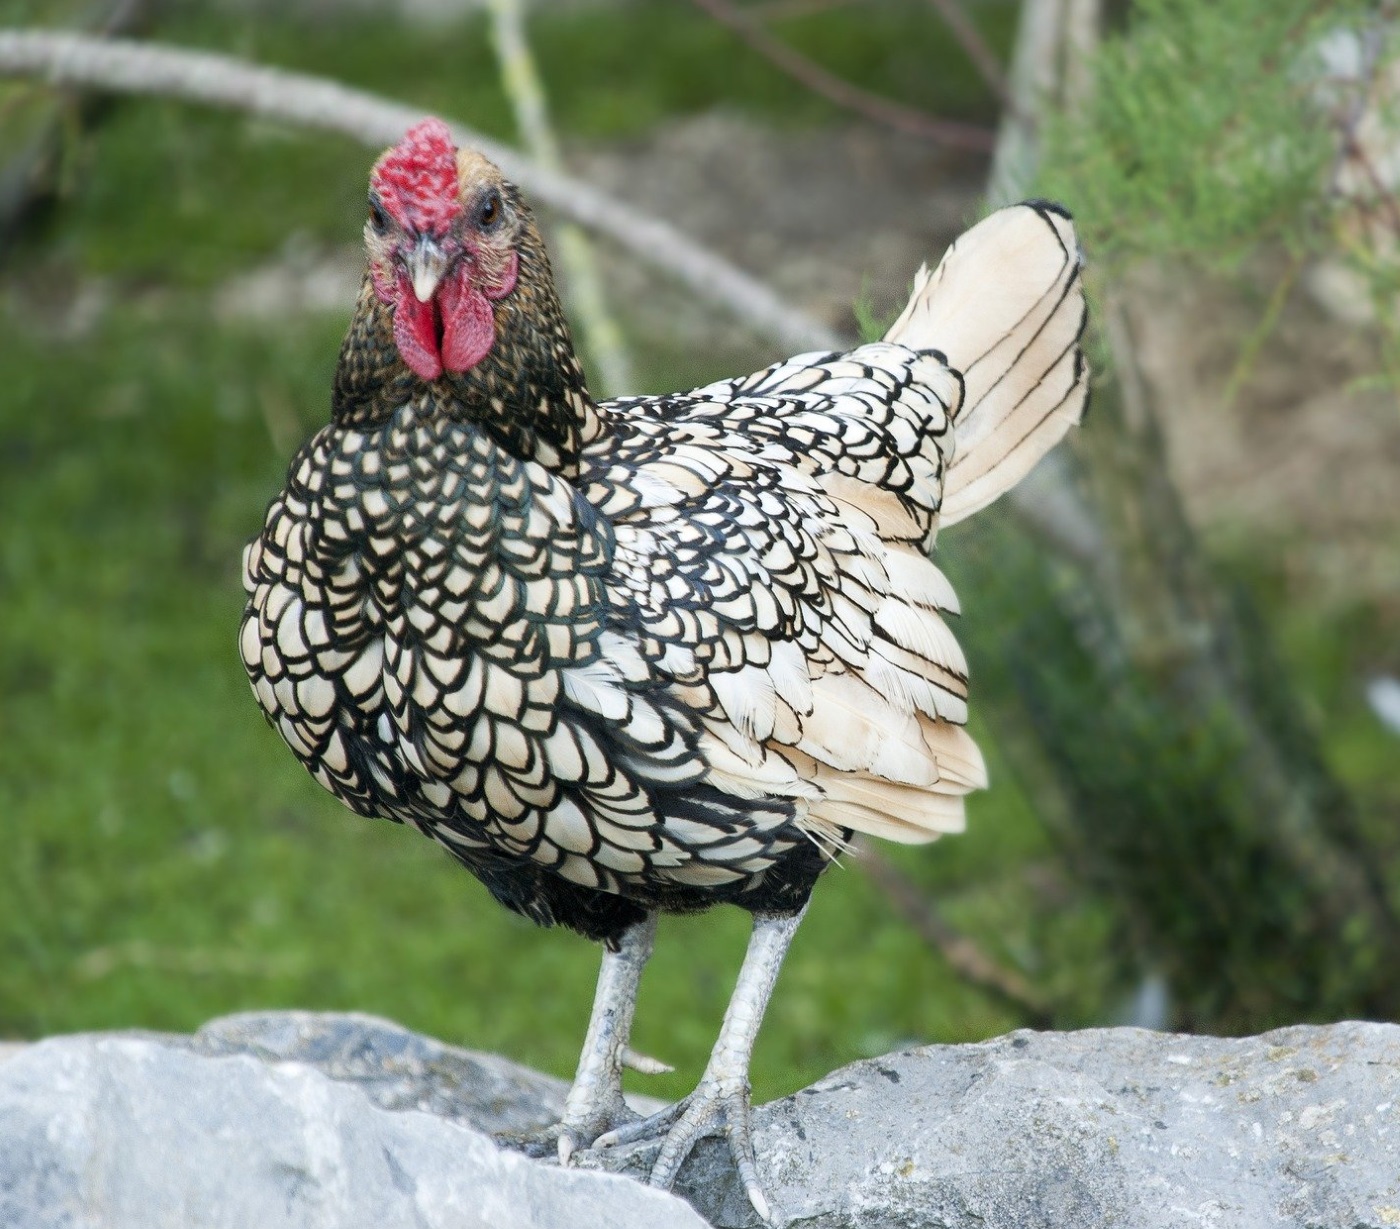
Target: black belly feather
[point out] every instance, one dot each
(547, 900)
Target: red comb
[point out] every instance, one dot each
(416, 181)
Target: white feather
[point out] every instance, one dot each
(624, 656)
(915, 578)
(748, 699)
(1006, 306)
(922, 632)
(853, 727)
(791, 676)
(595, 687)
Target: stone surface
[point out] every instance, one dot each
(1110, 1127)
(398, 1069)
(145, 1132)
(395, 1068)
(300, 1119)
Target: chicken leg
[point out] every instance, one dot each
(720, 1101)
(595, 1103)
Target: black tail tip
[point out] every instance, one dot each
(1040, 205)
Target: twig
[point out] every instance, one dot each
(961, 953)
(1254, 343)
(983, 58)
(1360, 102)
(1385, 196)
(788, 10)
(970, 39)
(602, 336)
(197, 76)
(34, 173)
(843, 93)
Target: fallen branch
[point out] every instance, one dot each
(218, 80)
(843, 93)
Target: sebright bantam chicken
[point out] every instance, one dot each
(660, 653)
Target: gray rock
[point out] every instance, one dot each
(395, 1068)
(1108, 1127)
(300, 1119)
(134, 1132)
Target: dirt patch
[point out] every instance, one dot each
(818, 213)
(1305, 461)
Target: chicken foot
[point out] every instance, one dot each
(720, 1102)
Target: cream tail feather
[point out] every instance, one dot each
(1006, 307)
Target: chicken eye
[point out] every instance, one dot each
(488, 213)
(378, 219)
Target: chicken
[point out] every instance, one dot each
(657, 654)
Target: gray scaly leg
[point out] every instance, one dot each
(595, 1103)
(720, 1101)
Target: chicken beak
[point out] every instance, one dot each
(426, 264)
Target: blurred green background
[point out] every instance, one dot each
(163, 859)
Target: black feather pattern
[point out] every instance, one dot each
(660, 653)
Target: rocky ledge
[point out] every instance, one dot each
(296, 1119)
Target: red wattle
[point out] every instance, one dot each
(468, 324)
(415, 334)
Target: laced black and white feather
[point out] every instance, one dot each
(718, 638)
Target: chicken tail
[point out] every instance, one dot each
(1006, 308)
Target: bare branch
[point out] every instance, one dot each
(843, 93)
(223, 81)
(33, 171)
(788, 10)
(961, 953)
(983, 58)
(975, 47)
